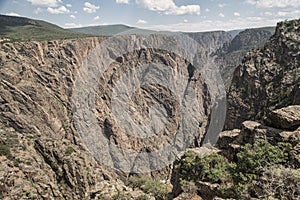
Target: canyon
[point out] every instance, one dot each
(79, 116)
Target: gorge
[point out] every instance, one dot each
(80, 116)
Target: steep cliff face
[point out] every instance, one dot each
(267, 79)
(42, 153)
(231, 54)
(249, 38)
(211, 40)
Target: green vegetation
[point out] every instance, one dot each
(261, 170)
(253, 158)
(150, 186)
(270, 29)
(5, 151)
(109, 30)
(142, 197)
(69, 150)
(280, 182)
(105, 30)
(212, 168)
(120, 196)
(24, 29)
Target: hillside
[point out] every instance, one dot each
(24, 29)
(109, 30)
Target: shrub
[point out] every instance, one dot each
(253, 158)
(5, 151)
(69, 150)
(137, 182)
(120, 196)
(150, 186)
(279, 182)
(212, 168)
(155, 188)
(142, 197)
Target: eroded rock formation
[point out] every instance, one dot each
(267, 79)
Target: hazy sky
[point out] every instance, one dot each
(173, 15)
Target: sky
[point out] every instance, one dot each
(171, 15)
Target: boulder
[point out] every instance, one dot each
(227, 137)
(285, 118)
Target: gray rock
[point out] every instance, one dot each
(285, 118)
(267, 78)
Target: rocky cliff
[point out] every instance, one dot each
(257, 157)
(40, 155)
(61, 99)
(43, 155)
(267, 79)
(231, 54)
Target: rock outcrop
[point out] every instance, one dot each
(212, 41)
(285, 130)
(267, 79)
(285, 118)
(230, 144)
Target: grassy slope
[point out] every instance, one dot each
(24, 29)
(109, 30)
(102, 30)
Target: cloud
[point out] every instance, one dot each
(185, 21)
(222, 5)
(290, 14)
(274, 3)
(214, 25)
(72, 25)
(122, 1)
(140, 21)
(236, 14)
(69, 5)
(207, 10)
(13, 14)
(60, 10)
(267, 13)
(46, 3)
(73, 16)
(221, 15)
(90, 8)
(168, 7)
(96, 18)
(38, 10)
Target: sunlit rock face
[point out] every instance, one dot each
(155, 97)
(267, 78)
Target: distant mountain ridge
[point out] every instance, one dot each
(24, 29)
(109, 30)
